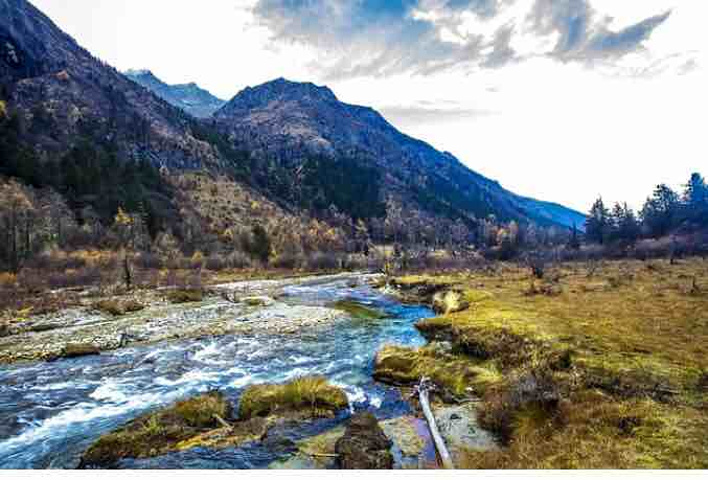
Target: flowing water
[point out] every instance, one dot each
(51, 412)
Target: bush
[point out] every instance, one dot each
(215, 263)
(238, 260)
(322, 261)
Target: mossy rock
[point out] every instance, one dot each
(75, 350)
(118, 308)
(358, 311)
(159, 432)
(455, 374)
(185, 296)
(306, 397)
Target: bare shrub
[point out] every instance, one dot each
(238, 260)
(537, 263)
(147, 261)
(215, 263)
(322, 261)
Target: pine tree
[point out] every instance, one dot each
(660, 212)
(597, 226)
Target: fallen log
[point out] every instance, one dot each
(223, 422)
(424, 395)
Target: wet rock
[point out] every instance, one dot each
(257, 301)
(451, 301)
(403, 433)
(185, 296)
(364, 445)
(159, 432)
(461, 430)
(75, 350)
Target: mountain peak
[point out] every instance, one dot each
(189, 96)
(284, 90)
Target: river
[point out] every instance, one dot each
(51, 412)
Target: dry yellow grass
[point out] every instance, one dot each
(636, 338)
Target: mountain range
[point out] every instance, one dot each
(293, 143)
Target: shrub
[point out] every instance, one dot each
(322, 261)
(238, 260)
(215, 263)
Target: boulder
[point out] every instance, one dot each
(451, 301)
(364, 445)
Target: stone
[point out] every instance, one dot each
(364, 445)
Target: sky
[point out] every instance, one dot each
(562, 100)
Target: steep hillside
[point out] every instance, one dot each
(298, 121)
(189, 97)
(63, 95)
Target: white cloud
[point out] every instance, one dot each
(561, 131)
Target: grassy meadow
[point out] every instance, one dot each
(594, 365)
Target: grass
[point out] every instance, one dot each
(599, 367)
(159, 432)
(358, 311)
(309, 396)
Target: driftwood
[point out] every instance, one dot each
(424, 389)
(323, 455)
(223, 422)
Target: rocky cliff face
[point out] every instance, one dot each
(189, 97)
(293, 121)
(62, 94)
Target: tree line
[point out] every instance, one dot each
(665, 212)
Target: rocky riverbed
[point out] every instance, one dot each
(241, 307)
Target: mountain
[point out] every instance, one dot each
(76, 121)
(295, 122)
(63, 95)
(189, 97)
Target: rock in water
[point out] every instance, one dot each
(364, 445)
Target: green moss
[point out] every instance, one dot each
(309, 396)
(358, 311)
(460, 376)
(159, 432)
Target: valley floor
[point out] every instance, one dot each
(597, 365)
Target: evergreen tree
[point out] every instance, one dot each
(696, 200)
(625, 227)
(660, 212)
(597, 226)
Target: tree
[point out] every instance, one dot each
(574, 242)
(598, 223)
(660, 211)
(258, 244)
(625, 227)
(696, 200)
